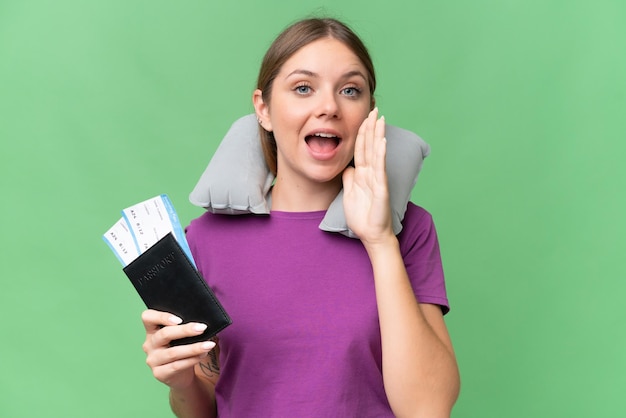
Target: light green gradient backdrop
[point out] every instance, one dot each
(105, 103)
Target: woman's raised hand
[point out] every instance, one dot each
(172, 365)
(366, 193)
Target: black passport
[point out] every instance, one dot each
(167, 281)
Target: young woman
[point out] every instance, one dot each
(323, 325)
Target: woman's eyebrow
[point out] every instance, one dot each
(302, 72)
(354, 73)
(349, 74)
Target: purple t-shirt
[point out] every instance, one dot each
(305, 338)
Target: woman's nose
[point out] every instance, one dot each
(328, 105)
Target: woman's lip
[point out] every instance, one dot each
(324, 131)
(323, 156)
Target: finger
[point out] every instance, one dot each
(359, 146)
(168, 363)
(348, 180)
(369, 136)
(179, 353)
(166, 335)
(380, 165)
(166, 373)
(381, 149)
(154, 320)
(379, 129)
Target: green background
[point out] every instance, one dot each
(106, 103)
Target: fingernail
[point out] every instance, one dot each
(175, 320)
(199, 327)
(207, 345)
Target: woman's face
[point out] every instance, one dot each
(318, 101)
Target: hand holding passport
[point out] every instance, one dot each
(150, 243)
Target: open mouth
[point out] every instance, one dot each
(322, 143)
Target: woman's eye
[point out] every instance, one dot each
(303, 89)
(351, 91)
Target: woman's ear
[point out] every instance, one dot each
(262, 110)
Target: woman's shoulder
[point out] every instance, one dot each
(210, 219)
(417, 225)
(209, 225)
(207, 221)
(416, 214)
(199, 222)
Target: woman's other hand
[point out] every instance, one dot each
(366, 193)
(172, 365)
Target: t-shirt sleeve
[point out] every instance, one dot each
(420, 250)
(192, 234)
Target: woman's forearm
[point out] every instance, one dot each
(419, 367)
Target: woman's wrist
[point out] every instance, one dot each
(190, 400)
(381, 244)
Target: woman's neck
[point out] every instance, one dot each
(289, 196)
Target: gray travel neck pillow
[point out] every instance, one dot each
(237, 179)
